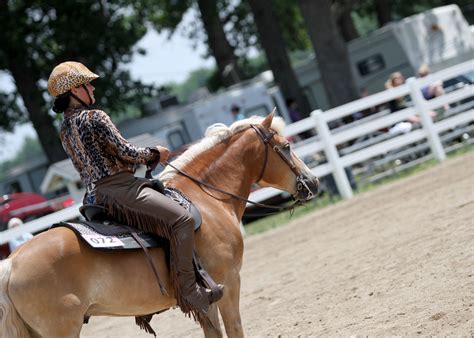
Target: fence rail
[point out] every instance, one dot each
(327, 140)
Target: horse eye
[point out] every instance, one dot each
(287, 146)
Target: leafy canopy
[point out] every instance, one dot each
(100, 34)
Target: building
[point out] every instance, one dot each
(25, 177)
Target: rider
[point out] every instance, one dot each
(106, 163)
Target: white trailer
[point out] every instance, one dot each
(180, 125)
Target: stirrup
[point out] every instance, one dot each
(216, 290)
(216, 293)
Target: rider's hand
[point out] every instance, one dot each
(164, 153)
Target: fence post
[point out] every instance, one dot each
(426, 121)
(332, 155)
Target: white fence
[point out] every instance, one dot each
(328, 140)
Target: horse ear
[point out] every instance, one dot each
(267, 122)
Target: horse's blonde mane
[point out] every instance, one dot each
(215, 134)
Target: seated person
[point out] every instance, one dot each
(434, 89)
(396, 79)
(20, 239)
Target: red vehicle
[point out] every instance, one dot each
(28, 206)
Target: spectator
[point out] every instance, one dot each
(396, 79)
(364, 92)
(237, 115)
(18, 241)
(434, 89)
(296, 115)
(293, 110)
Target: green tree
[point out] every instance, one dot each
(228, 29)
(223, 52)
(331, 51)
(342, 12)
(272, 41)
(37, 35)
(210, 30)
(383, 10)
(243, 32)
(197, 79)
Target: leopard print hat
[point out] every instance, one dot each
(68, 75)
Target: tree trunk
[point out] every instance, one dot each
(331, 52)
(384, 12)
(42, 122)
(26, 81)
(220, 47)
(346, 26)
(271, 39)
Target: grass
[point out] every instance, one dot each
(281, 219)
(277, 220)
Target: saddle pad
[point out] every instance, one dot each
(110, 236)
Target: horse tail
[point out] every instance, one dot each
(11, 324)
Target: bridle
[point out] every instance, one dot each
(267, 139)
(285, 155)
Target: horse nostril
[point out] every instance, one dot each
(307, 186)
(312, 181)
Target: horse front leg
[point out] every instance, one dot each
(229, 306)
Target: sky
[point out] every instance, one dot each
(166, 60)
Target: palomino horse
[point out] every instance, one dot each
(50, 284)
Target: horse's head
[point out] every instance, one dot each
(282, 168)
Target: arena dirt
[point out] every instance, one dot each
(398, 260)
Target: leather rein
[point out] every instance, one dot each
(198, 181)
(267, 139)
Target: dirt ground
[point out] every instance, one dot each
(398, 260)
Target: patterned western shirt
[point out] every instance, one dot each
(96, 147)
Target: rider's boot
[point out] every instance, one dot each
(199, 297)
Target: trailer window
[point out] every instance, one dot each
(372, 64)
(176, 139)
(260, 110)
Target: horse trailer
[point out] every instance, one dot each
(179, 125)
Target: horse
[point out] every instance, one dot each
(54, 281)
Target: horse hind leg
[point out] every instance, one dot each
(60, 319)
(11, 324)
(47, 309)
(57, 327)
(214, 330)
(69, 332)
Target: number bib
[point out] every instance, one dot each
(100, 241)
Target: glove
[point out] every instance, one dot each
(164, 153)
(155, 159)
